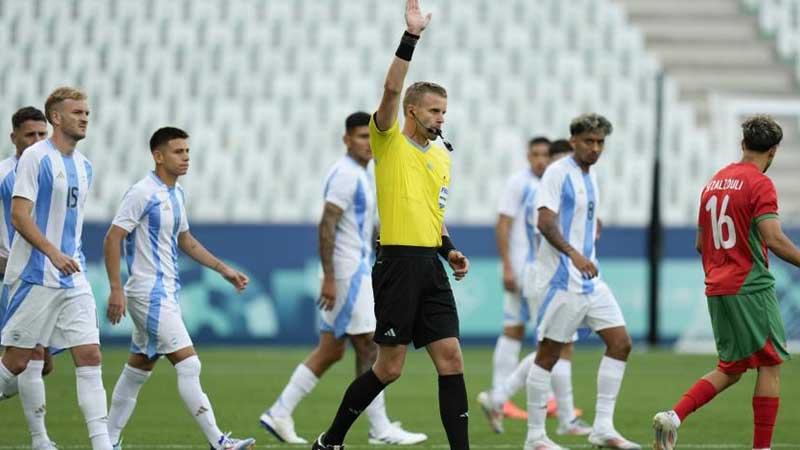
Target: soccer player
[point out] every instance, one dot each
(566, 270)
(494, 402)
(152, 223)
(346, 301)
(513, 248)
(50, 302)
(29, 127)
(413, 299)
(737, 223)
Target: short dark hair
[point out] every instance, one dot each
(560, 146)
(357, 119)
(25, 114)
(538, 140)
(590, 123)
(166, 134)
(761, 133)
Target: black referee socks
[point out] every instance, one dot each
(358, 396)
(453, 408)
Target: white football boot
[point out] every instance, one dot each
(665, 425)
(396, 435)
(281, 427)
(575, 428)
(542, 443)
(493, 413)
(612, 439)
(228, 443)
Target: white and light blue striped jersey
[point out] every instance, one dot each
(57, 185)
(7, 175)
(531, 216)
(352, 188)
(153, 214)
(572, 194)
(512, 204)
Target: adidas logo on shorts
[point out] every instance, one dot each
(390, 333)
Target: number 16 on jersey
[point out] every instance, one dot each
(719, 221)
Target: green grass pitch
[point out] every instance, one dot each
(241, 382)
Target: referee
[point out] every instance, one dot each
(413, 299)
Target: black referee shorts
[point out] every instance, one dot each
(413, 299)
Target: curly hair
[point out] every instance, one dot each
(761, 133)
(590, 123)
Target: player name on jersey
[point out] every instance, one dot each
(728, 184)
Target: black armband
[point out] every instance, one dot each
(446, 247)
(406, 47)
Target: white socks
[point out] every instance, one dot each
(123, 400)
(562, 388)
(8, 382)
(609, 380)
(538, 391)
(515, 381)
(92, 401)
(32, 396)
(303, 381)
(378, 419)
(505, 359)
(300, 384)
(195, 400)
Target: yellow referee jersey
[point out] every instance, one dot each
(412, 184)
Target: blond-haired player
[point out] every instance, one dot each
(50, 302)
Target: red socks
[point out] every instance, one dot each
(701, 393)
(765, 409)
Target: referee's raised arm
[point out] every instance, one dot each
(393, 86)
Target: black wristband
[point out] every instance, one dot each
(446, 247)
(406, 48)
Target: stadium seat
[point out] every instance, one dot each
(257, 93)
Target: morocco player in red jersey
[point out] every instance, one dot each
(738, 222)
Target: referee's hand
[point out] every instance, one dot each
(327, 295)
(459, 263)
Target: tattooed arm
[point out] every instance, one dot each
(331, 215)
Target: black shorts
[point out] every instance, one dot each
(413, 299)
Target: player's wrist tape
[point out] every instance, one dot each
(406, 48)
(446, 247)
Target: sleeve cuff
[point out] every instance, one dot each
(337, 202)
(766, 216)
(374, 122)
(127, 226)
(24, 195)
(553, 208)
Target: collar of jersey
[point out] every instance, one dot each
(53, 147)
(158, 180)
(354, 162)
(417, 146)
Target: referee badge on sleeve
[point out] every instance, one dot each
(443, 197)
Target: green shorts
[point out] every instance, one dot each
(748, 329)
